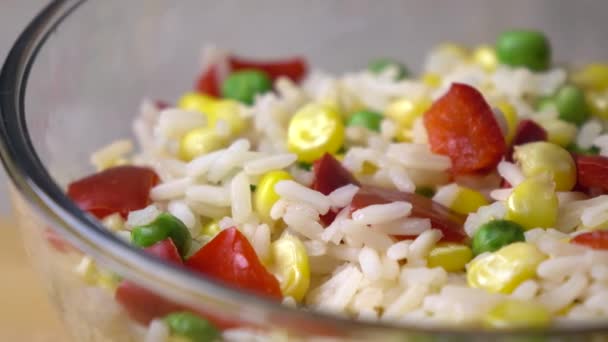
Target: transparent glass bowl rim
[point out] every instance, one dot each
(37, 187)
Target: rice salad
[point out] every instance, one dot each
(472, 194)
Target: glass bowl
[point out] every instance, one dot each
(73, 81)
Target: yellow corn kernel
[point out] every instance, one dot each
(533, 203)
(210, 229)
(431, 79)
(452, 257)
(291, 266)
(108, 280)
(467, 201)
(229, 111)
(87, 270)
(598, 103)
(313, 131)
(368, 168)
(510, 115)
(265, 196)
(198, 102)
(485, 57)
(593, 76)
(199, 141)
(503, 270)
(544, 157)
(559, 131)
(404, 113)
(517, 314)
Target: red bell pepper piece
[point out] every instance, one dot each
(294, 68)
(527, 131)
(597, 239)
(209, 81)
(592, 173)
(462, 126)
(119, 189)
(230, 258)
(329, 175)
(442, 218)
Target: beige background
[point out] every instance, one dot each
(25, 312)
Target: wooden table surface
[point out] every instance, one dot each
(25, 311)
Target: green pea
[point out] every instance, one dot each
(244, 85)
(425, 191)
(366, 118)
(192, 327)
(164, 226)
(378, 65)
(524, 48)
(571, 104)
(252, 187)
(493, 235)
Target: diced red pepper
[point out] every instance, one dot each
(160, 104)
(442, 218)
(329, 175)
(210, 80)
(597, 239)
(293, 68)
(462, 126)
(119, 189)
(527, 131)
(230, 258)
(592, 173)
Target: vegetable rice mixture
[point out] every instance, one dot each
(472, 194)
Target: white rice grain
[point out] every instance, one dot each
(401, 180)
(382, 213)
(565, 293)
(342, 196)
(588, 132)
(108, 155)
(510, 172)
(423, 244)
(446, 195)
(399, 250)
(181, 210)
(408, 301)
(266, 164)
(142, 216)
(343, 252)
(158, 331)
(417, 156)
(173, 122)
(240, 196)
(217, 196)
(261, 241)
(295, 192)
(234, 156)
(409, 226)
(201, 165)
(559, 268)
(170, 190)
(208, 210)
(370, 263)
(526, 290)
